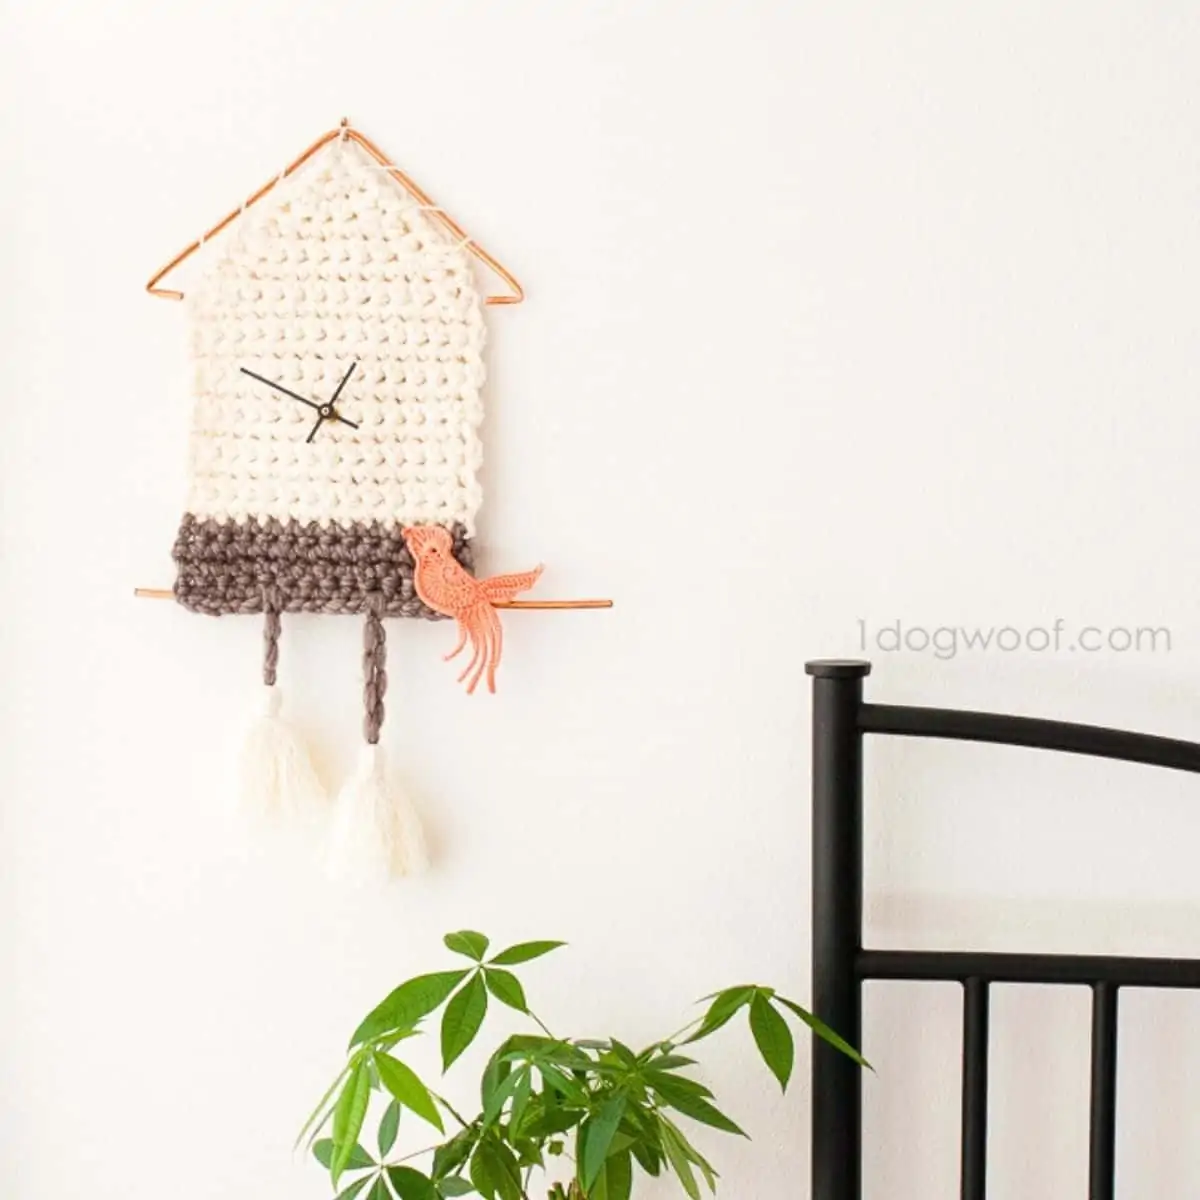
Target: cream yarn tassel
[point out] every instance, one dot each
(277, 775)
(377, 834)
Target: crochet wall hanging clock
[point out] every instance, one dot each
(337, 337)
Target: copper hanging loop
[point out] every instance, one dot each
(345, 133)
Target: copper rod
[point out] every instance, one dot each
(545, 605)
(344, 131)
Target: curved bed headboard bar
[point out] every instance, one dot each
(907, 721)
(902, 720)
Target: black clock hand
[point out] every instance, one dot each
(325, 412)
(279, 388)
(337, 416)
(341, 385)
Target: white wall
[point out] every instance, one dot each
(835, 312)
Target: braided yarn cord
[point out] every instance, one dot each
(374, 670)
(271, 631)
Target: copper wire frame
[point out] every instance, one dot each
(344, 131)
(517, 295)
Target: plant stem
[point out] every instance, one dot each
(449, 1108)
(540, 1024)
(673, 1040)
(414, 1154)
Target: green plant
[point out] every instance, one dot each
(611, 1109)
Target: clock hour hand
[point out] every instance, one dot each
(279, 388)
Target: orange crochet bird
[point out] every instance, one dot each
(445, 586)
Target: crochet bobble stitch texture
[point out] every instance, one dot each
(344, 267)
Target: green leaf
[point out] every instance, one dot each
(506, 987)
(694, 1155)
(403, 1007)
(379, 1190)
(596, 1135)
(773, 1038)
(481, 1172)
(529, 1153)
(401, 1080)
(508, 1177)
(454, 1185)
(520, 1100)
(563, 1054)
(523, 952)
(388, 1128)
(499, 1095)
(677, 1083)
(498, 1069)
(624, 1053)
(824, 1032)
(451, 1155)
(722, 1010)
(313, 1124)
(467, 941)
(691, 1105)
(359, 1158)
(546, 1118)
(565, 1085)
(526, 1045)
(648, 1157)
(353, 1190)
(618, 1177)
(410, 1184)
(462, 1019)
(667, 1062)
(348, 1118)
(672, 1145)
(494, 1171)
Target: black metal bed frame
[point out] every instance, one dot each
(841, 964)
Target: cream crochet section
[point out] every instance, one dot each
(339, 265)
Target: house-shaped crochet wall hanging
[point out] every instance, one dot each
(337, 338)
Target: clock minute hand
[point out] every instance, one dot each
(345, 380)
(337, 416)
(279, 388)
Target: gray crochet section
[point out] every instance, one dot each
(232, 567)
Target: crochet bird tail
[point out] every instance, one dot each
(377, 833)
(277, 775)
(500, 588)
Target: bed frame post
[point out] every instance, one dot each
(837, 900)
